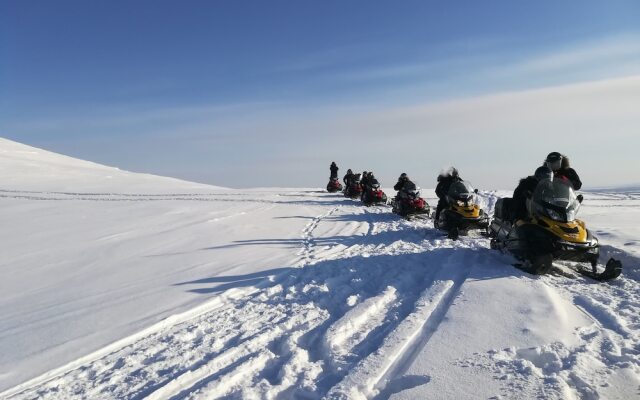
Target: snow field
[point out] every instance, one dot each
(172, 290)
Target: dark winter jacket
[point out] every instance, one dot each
(571, 175)
(404, 185)
(365, 180)
(401, 181)
(348, 178)
(444, 183)
(334, 170)
(523, 192)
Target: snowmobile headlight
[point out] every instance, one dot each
(460, 203)
(553, 214)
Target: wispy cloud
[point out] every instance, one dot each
(610, 56)
(492, 66)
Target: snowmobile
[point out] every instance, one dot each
(462, 213)
(334, 185)
(373, 194)
(409, 204)
(551, 232)
(354, 188)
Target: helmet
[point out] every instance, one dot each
(554, 156)
(454, 172)
(349, 171)
(403, 176)
(553, 161)
(543, 173)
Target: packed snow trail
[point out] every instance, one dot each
(347, 319)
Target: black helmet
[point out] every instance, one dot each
(349, 171)
(543, 173)
(454, 172)
(554, 161)
(403, 175)
(554, 156)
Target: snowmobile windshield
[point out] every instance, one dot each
(461, 192)
(414, 192)
(555, 199)
(375, 185)
(409, 186)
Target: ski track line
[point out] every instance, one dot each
(115, 197)
(189, 381)
(403, 344)
(359, 383)
(354, 326)
(308, 243)
(218, 302)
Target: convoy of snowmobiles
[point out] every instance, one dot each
(536, 229)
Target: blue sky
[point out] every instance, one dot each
(268, 93)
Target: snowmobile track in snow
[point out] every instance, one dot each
(366, 292)
(301, 317)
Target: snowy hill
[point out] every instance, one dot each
(123, 285)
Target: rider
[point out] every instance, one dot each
(403, 184)
(371, 179)
(364, 182)
(348, 178)
(401, 181)
(334, 170)
(524, 191)
(445, 179)
(561, 168)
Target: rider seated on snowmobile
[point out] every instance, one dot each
(334, 170)
(445, 179)
(348, 178)
(561, 168)
(524, 191)
(371, 180)
(401, 181)
(403, 185)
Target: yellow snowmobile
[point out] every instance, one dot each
(551, 232)
(463, 212)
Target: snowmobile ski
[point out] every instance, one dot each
(612, 270)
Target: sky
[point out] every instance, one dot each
(268, 93)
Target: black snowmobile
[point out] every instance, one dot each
(354, 188)
(373, 194)
(551, 232)
(463, 212)
(334, 185)
(409, 204)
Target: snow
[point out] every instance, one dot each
(124, 285)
